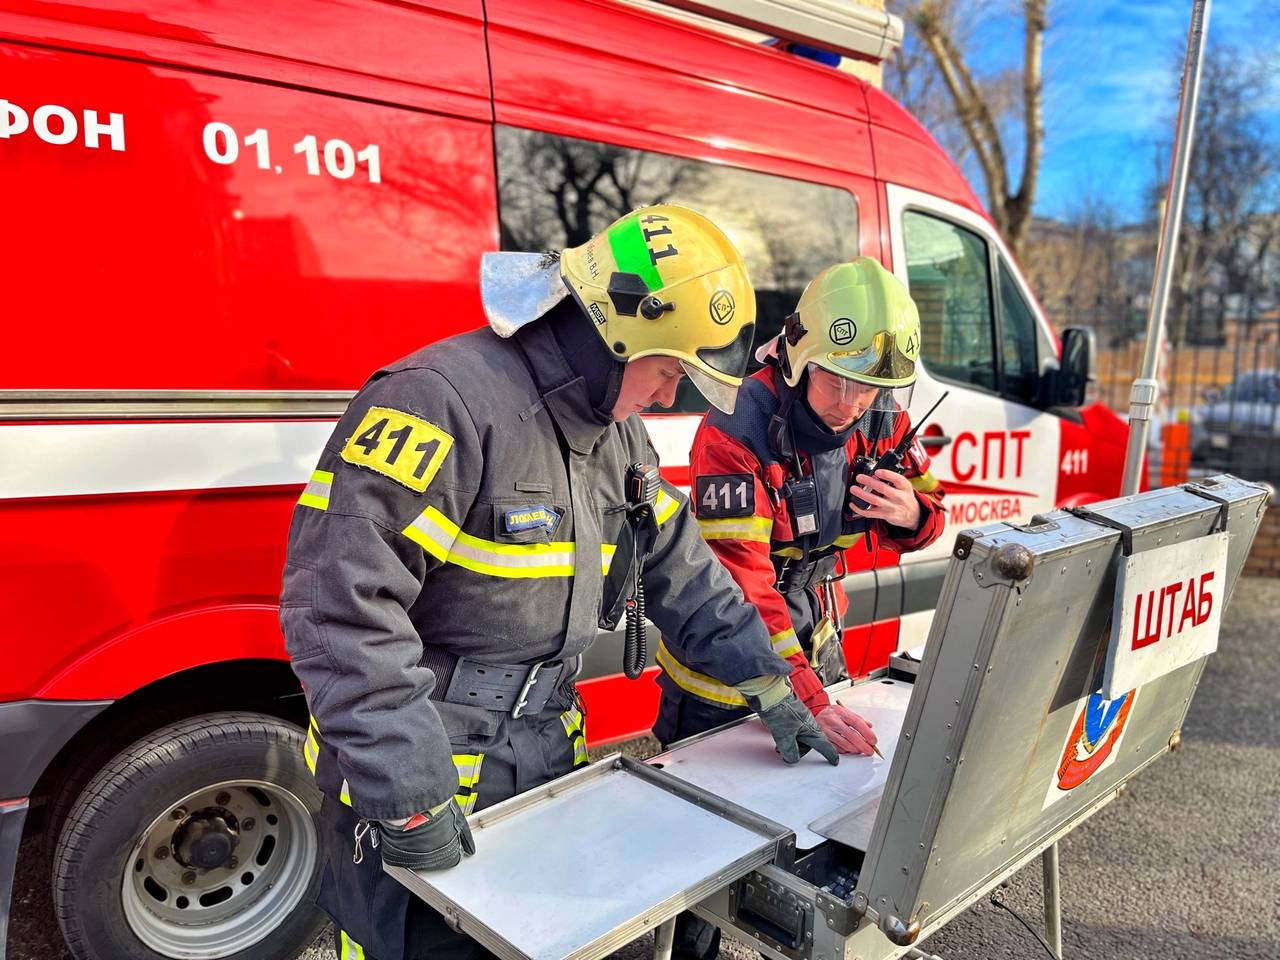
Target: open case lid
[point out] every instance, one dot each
(589, 862)
(1007, 743)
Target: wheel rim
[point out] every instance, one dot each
(219, 870)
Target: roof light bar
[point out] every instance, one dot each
(845, 28)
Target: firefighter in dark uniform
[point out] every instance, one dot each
(475, 519)
(771, 490)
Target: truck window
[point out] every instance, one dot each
(555, 192)
(1017, 341)
(949, 274)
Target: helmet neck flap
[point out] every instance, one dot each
(587, 356)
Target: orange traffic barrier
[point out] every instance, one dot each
(1175, 457)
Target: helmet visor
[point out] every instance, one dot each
(731, 359)
(881, 361)
(840, 397)
(723, 396)
(718, 371)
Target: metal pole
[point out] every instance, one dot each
(1146, 389)
(1052, 901)
(663, 940)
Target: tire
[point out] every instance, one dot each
(196, 841)
(88, 759)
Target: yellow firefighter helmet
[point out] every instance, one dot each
(857, 321)
(660, 281)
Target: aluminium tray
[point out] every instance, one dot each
(587, 863)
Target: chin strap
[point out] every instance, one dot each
(801, 490)
(781, 435)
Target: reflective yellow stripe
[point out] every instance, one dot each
(468, 767)
(316, 493)
(348, 948)
(751, 529)
(795, 553)
(925, 483)
(785, 643)
(575, 729)
(607, 550)
(572, 721)
(696, 683)
(444, 540)
(311, 753)
(665, 506)
(311, 749)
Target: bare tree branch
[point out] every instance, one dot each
(979, 103)
(1033, 114)
(933, 23)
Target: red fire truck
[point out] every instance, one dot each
(219, 217)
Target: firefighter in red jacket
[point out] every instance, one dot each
(771, 490)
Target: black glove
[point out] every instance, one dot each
(794, 729)
(428, 841)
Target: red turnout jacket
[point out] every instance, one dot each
(737, 492)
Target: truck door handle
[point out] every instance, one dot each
(937, 442)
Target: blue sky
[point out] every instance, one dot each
(1111, 86)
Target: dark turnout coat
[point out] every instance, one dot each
(468, 505)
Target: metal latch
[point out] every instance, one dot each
(1203, 489)
(1039, 524)
(522, 698)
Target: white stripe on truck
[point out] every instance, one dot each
(88, 459)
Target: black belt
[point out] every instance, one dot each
(514, 688)
(795, 575)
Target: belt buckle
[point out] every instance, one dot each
(522, 698)
(784, 568)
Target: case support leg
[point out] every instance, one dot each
(1052, 901)
(663, 939)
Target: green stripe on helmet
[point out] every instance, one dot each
(631, 253)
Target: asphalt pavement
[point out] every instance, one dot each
(1185, 867)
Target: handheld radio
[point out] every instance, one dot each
(889, 460)
(642, 485)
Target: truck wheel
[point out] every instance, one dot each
(196, 841)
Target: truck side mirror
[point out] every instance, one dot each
(1070, 382)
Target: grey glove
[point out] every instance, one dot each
(787, 718)
(427, 841)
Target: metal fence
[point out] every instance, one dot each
(1220, 400)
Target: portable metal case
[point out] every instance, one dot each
(1014, 653)
(974, 789)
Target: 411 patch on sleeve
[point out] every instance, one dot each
(398, 445)
(725, 495)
